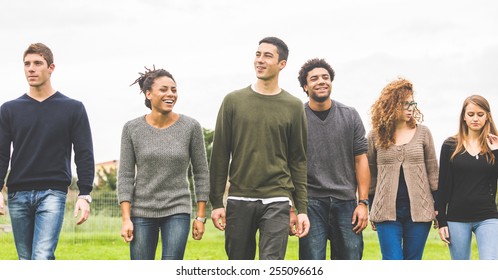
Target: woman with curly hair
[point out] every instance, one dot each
(404, 173)
(467, 184)
(153, 188)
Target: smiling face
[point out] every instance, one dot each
(37, 70)
(266, 62)
(475, 117)
(318, 84)
(162, 95)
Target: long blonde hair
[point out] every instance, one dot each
(387, 109)
(463, 130)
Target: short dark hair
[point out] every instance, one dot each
(41, 49)
(312, 64)
(282, 49)
(146, 80)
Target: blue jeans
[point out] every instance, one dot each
(461, 239)
(402, 239)
(37, 218)
(330, 219)
(174, 234)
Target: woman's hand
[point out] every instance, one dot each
(444, 234)
(436, 223)
(492, 141)
(197, 229)
(127, 230)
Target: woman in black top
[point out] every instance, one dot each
(468, 174)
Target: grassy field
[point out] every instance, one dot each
(83, 244)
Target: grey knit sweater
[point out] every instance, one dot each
(332, 147)
(153, 167)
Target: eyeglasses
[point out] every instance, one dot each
(409, 105)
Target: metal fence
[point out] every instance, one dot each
(104, 222)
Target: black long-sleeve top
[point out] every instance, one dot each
(467, 186)
(42, 135)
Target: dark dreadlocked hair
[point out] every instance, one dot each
(146, 80)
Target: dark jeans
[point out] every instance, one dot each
(402, 239)
(174, 234)
(330, 219)
(244, 218)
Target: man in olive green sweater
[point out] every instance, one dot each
(260, 145)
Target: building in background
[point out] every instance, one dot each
(105, 173)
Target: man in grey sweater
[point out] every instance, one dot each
(338, 172)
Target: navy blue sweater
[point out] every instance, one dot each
(42, 135)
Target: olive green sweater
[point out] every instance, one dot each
(419, 162)
(260, 144)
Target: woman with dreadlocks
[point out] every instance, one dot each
(153, 188)
(467, 184)
(404, 173)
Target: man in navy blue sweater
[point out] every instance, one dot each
(43, 126)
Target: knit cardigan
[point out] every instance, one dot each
(420, 167)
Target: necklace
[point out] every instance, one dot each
(473, 147)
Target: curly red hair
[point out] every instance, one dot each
(388, 108)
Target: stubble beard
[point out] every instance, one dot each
(320, 99)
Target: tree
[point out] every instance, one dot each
(208, 142)
(107, 179)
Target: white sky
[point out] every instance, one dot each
(448, 49)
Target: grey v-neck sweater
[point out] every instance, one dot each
(153, 167)
(332, 147)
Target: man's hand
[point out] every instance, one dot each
(292, 223)
(84, 206)
(217, 215)
(2, 204)
(360, 218)
(303, 225)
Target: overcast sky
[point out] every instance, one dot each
(448, 49)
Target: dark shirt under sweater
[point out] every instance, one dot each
(402, 198)
(42, 135)
(467, 187)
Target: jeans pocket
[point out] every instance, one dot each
(12, 195)
(57, 193)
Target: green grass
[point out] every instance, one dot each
(83, 244)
